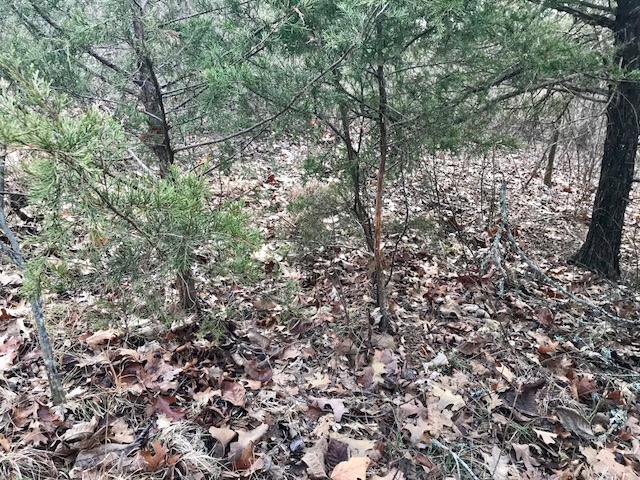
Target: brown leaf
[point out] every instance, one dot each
(233, 393)
(498, 465)
(337, 452)
(604, 464)
(156, 458)
(574, 422)
(353, 469)
(241, 453)
(314, 457)
(9, 347)
(163, 405)
(547, 437)
(100, 337)
(259, 370)
(584, 385)
(337, 406)
(5, 444)
(547, 347)
(223, 435)
(523, 453)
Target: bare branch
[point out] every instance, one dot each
(588, 18)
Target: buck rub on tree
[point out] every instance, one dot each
(601, 249)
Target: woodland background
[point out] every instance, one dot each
(310, 239)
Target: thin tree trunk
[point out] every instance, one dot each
(158, 138)
(601, 249)
(551, 158)
(359, 210)
(13, 251)
(378, 276)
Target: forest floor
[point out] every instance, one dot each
(532, 372)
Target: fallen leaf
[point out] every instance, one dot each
(241, 453)
(353, 469)
(523, 453)
(224, 436)
(101, 336)
(337, 452)
(498, 466)
(605, 465)
(504, 371)
(574, 422)
(547, 437)
(233, 393)
(314, 458)
(447, 398)
(156, 458)
(337, 406)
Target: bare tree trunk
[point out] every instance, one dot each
(13, 251)
(601, 249)
(157, 138)
(359, 209)
(378, 275)
(551, 158)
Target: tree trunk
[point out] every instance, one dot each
(378, 254)
(601, 250)
(150, 94)
(548, 172)
(359, 209)
(157, 138)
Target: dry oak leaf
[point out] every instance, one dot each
(357, 448)
(523, 453)
(314, 458)
(447, 398)
(498, 466)
(605, 465)
(223, 435)
(5, 444)
(81, 431)
(582, 385)
(353, 469)
(393, 474)
(163, 405)
(156, 458)
(100, 337)
(233, 393)
(547, 347)
(547, 437)
(418, 430)
(504, 371)
(337, 406)
(9, 347)
(241, 454)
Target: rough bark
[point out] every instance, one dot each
(157, 137)
(378, 275)
(551, 158)
(601, 249)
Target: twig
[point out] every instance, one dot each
(147, 170)
(456, 457)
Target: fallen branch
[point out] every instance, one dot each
(494, 254)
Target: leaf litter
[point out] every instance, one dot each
(477, 383)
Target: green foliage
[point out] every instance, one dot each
(102, 218)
